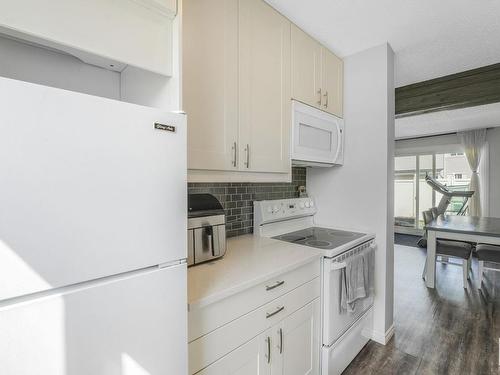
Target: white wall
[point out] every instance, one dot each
(360, 194)
(493, 138)
(51, 68)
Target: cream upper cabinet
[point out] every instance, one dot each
(236, 86)
(332, 83)
(210, 82)
(264, 88)
(317, 74)
(306, 68)
(243, 62)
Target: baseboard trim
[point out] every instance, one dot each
(383, 338)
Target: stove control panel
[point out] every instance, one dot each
(282, 209)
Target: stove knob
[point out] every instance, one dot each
(276, 209)
(312, 203)
(307, 204)
(301, 205)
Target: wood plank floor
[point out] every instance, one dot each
(448, 330)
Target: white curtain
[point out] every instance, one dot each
(473, 142)
(484, 176)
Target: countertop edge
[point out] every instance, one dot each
(249, 284)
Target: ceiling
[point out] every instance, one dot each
(443, 122)
(431, 38)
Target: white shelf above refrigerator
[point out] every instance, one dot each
(110, 34)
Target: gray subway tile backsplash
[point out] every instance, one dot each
(237, 198)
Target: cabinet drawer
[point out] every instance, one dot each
(216, 344)
(205, 319)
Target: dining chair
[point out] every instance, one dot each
(451, 249)
(489, 254)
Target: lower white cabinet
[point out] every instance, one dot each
(281, 336)
(290, 347)
(248, 359)
(294, 343)
(301, 342)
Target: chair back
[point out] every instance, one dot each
(427, 219)
(428, 216)
(434, 212)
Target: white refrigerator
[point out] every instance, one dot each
(92, 235)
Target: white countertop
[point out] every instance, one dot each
(249, 260)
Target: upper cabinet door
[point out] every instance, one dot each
(306, 68)
(210, 82)
(333, 83)
(264, 88)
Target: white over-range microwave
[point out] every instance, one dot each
(317, 137)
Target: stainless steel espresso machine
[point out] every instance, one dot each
(206, 229)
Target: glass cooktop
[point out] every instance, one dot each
(321, 238)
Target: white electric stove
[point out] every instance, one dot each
(292, 220)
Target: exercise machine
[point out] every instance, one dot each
(448, 195)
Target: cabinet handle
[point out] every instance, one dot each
(268, 356)
(281, 340)
(275, 285)
(326, 99)
(248, 156)
(320, 97)
(278, 310)
(234, 154)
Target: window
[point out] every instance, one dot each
(412, 194)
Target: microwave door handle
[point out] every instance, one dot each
(339, 141)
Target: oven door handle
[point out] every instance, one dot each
(337, 266)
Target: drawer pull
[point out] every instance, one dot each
(268, 355)
(278, 310)
(281, 340)
(275, 285)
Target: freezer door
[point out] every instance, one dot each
(89, 187)
(135, 325)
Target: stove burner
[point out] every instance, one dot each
(341, 233)
(291, 237)
(318, 243)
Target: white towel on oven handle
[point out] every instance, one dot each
(357, 279)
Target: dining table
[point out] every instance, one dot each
(472, 229)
